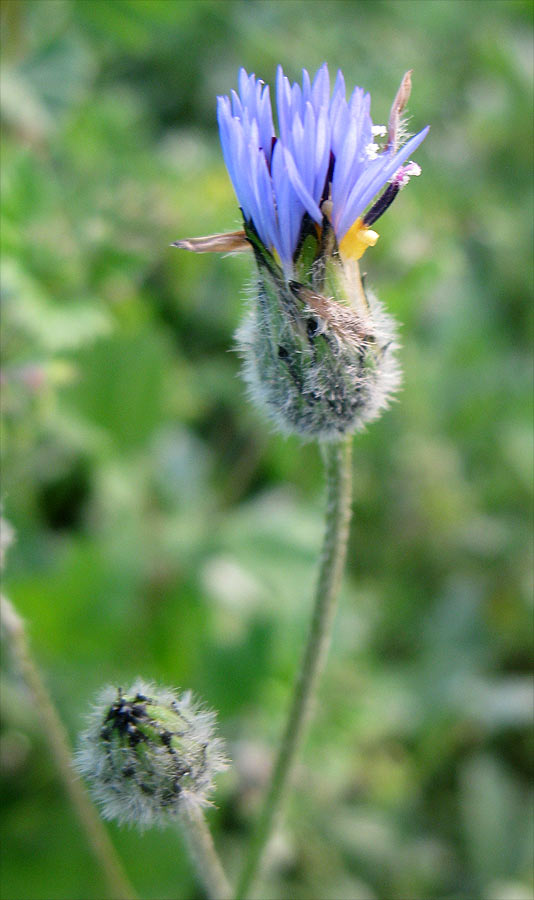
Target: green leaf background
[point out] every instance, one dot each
(164, 530)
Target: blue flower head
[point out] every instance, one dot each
(325, 163)
(318, 348)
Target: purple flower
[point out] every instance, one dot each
(325, 151)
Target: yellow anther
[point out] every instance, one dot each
(356, 241)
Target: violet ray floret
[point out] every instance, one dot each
(324, 150)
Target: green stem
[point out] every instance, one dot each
(118, 885)
(203, 854)
(339, 496)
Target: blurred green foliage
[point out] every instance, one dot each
(163, 530)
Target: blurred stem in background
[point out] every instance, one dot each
(97, 837)
(338, 468)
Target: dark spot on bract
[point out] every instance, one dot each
(312, 327)
(166, 737)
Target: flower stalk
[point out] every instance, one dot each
(203, 853)
(338, 469)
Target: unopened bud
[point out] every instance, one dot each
(146, 751)
(321, 366)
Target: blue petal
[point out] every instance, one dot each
(283, 102)
(321, 87)
(306, 86)
(289, 208)
(265, 202)
(340, 91)
(242, 81)
(265, 122)
(346, 159)
(377, 174)
(224, 118)
(237, 106)
(300, 189)
(322, 153)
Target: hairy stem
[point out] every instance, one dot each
(98, 839)
(339, 496)
(202, 851)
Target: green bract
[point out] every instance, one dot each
(319, 354)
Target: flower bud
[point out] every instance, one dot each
(320, 366)
(146, 751)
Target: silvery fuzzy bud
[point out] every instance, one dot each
(146, 752)
(320, 364)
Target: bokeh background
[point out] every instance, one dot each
(163, 529)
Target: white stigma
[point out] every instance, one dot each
(403, 175)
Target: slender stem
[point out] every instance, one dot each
(203, 853)
(118, 885)
(338, 510)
